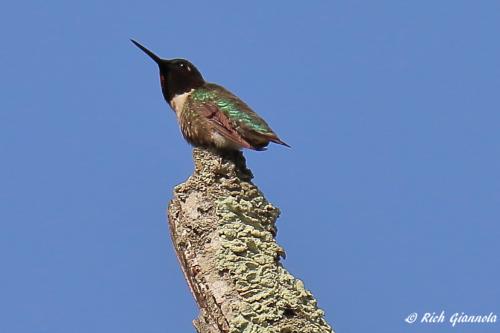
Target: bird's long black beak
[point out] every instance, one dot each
(149, 53)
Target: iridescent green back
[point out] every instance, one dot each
(234, 108)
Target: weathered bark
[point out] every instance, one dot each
(223, 232)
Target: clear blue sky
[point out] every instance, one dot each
(390, 195)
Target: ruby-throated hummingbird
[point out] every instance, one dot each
(208, 114)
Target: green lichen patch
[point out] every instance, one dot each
(271, 299)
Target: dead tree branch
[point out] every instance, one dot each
(223, 232)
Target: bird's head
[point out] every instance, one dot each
(177, 76)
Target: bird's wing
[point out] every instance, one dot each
(221, 124)
(234, 119)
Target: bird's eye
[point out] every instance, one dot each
(185, 66)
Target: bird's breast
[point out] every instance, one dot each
(177, 103)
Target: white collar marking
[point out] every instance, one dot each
(178, 101)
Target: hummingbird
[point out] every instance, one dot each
(209, 115)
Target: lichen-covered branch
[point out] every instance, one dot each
(223, 232)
